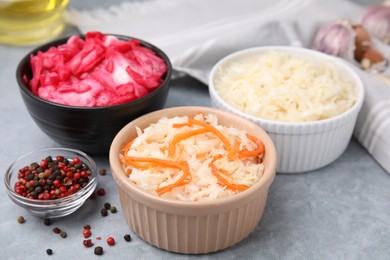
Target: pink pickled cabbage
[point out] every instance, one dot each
(101, 70)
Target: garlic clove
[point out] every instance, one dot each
(373, 60)
(376, 19)
(352, 42)
(362, 41)
(336, 38)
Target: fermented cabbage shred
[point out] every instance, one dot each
(217, 167)
(286, 87)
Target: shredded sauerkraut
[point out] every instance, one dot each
(286, 87)
(236, 160)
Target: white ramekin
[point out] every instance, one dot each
(303, 146)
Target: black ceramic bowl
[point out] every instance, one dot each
(90, 129)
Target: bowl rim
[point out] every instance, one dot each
(121, 179)
(295, 50)
(25, 89)
(51, 203)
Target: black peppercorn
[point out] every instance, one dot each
(34, 194)
(102, 171)
(49, 251)
(104, 212)
(87, 226)
(30, 177)
(38, 190)
(107, 205)
(127, 237)
(34, 166)
(98, 250)
(47, 222)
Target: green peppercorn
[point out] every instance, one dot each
(41, 175)
(21, 219)
(63, 234)
(113, 209)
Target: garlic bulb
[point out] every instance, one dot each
(376, 19)
(337, 39)
(350, 41)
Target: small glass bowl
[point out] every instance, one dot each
(57, 207)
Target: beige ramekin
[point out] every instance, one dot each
(303, 146)
(192, 227)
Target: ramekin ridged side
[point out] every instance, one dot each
(189, 233)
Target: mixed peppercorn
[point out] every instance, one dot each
(52, 178)
(50, 165)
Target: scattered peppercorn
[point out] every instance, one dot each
(63, 234)
(49, 251)
(20, 219)
(52, 179)
(104, 212)
(87, 233)
(87, 226)
(110, 241)
(113, 209)
(87, 243)
(47, 222)
(101, 192)
(107, 205)
(56, 230)
(98, 250)
(102, 171)
(93, 196)
(127, 237)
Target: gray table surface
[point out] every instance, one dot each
(341, 211)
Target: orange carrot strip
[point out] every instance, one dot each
(235, 149)
(163, 149)
(126, 149)
(214, 130)
(225, 182)
(179, 137)
(156, 162)
(257, 152)
(179, 182)
(201, 155)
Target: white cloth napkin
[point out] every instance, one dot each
(196, 34)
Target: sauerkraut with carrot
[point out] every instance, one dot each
(193, 158)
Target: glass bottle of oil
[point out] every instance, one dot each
(28, 22)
